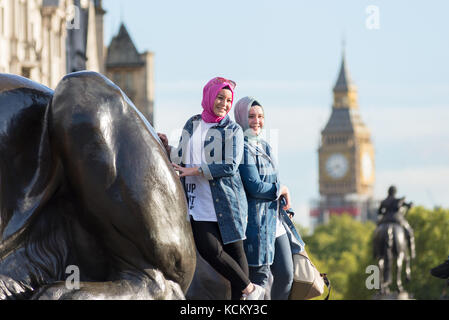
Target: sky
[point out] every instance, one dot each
(287, 54)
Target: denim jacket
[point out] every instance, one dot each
(260, 179)
(223, 148)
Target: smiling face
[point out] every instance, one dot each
(256, 119)
(223, 102)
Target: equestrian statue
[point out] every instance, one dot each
(394, 244)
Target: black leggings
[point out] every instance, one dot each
(227, 259)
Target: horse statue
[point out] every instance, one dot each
(86, 187)
(393, 243)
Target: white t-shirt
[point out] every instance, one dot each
(199, 196)
(280, 230)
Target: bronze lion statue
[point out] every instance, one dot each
(85, 185)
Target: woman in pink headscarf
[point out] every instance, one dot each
(207, 159)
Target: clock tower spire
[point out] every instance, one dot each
(345, 92)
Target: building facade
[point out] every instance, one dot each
(43, 40)
(346, 158)
(131, 71)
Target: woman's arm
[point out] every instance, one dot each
(184, 172)
(177, 154)
(255, 187)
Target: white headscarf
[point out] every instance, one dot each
(241, 114)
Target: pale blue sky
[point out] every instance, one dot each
(287, 54)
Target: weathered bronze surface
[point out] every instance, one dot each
(85, 182)
(207, 283)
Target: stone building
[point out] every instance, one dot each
(131, 71)
(45, 39)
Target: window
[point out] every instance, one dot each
(129, 81)
(2, 20)
(23, 20)
(117, 78)
(26, 72)
(57, 43)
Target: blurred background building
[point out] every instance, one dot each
(132, 71)
(43, 40)
(346, 159)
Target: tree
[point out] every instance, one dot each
(343, 249)
(338, 249)
(431, 228)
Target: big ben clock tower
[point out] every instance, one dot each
(346, 156)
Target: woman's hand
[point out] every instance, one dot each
(286, 194)
(164, 140)
(184, 172)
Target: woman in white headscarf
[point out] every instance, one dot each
(269, 228)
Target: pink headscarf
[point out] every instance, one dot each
(210, 91)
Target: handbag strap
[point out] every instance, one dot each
(327, 283)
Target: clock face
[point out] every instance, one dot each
(337, 165)
(367, 166)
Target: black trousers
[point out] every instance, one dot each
(227, 259)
